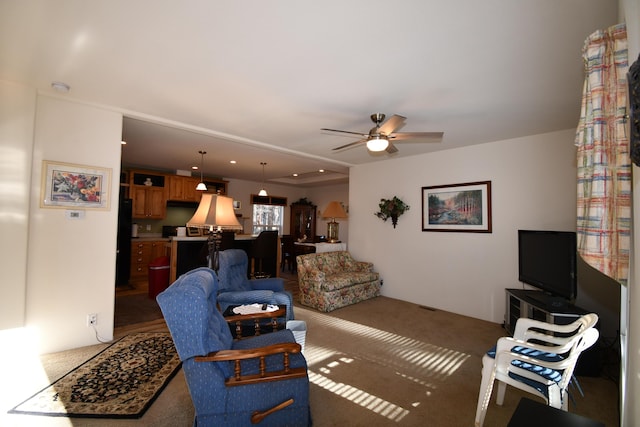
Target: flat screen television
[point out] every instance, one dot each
(547, 261)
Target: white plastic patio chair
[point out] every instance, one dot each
(539, 359)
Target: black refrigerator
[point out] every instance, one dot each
(123, 251)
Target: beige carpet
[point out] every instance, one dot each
(382, 362)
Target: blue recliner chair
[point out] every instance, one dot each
(225, 378)
(237, 289)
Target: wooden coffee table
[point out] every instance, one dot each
(238, 319)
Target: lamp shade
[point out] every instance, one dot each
(215, 211)
(334, 210)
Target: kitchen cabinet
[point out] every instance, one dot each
(183, 188)
(216, 186)
(148, 202)
(303, 221)
(148, 193)
(142, 253)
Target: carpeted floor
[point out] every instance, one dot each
(382, 362)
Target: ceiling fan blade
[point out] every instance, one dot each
(391, 148)
(405, 136)
(392, 124)
(350, 145)
(360, 134)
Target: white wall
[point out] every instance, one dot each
(71, 263)
(17, 110)
(533, 186)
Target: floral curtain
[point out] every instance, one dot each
(603, 160)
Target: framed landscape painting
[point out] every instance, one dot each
(457, 207)
(66, 185)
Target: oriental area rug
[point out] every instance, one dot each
(119, 382)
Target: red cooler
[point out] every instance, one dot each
(158, 275)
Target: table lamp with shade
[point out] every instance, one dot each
(215, 213)
(334, 210)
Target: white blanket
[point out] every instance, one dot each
(254, 308)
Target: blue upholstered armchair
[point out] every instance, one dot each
(221, 394)
(237, 289)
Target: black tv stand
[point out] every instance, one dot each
(547, 300)
(540, 306)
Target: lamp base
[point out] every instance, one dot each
(332, 231)
(214, 249)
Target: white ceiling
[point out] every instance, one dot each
(255, 81)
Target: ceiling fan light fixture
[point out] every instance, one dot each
(377, 143)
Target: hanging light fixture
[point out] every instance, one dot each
(201, 185)
(263, 191)
(378, 143)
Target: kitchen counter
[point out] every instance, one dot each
(187, 239)
(150, 239)
(188, 253)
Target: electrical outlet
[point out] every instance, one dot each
(148, 227)
(92, 319)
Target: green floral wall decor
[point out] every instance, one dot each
(391, 208)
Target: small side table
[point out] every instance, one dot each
(530, 413)
(238, 319)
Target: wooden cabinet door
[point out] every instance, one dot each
(189, 189)
(139, 197)
(158, 249)
(183, 188)
(148, 202)
(176, 188)
(156, 203)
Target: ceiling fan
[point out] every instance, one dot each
(382, 136)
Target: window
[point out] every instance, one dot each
(267, 217)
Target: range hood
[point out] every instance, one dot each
(178, 204)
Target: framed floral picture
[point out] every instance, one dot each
(457, 207)
(66, 185)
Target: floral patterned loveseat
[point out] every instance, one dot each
(330, 280)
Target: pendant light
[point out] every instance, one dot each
(263, 191)
(201, 185)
